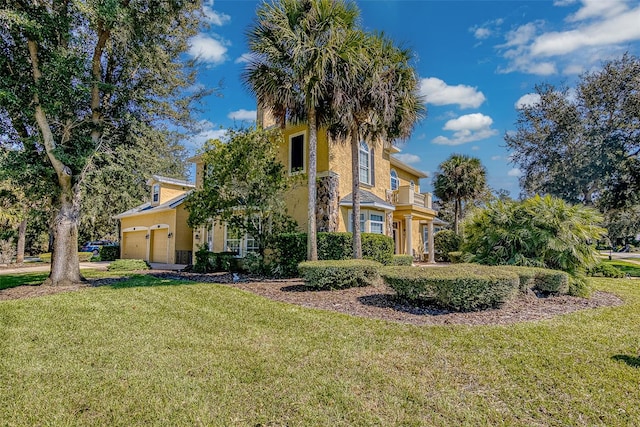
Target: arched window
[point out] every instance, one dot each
(365, 163)
(395, 182)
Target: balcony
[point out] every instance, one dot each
(406, 195)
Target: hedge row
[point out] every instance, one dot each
(210, 262)
(128, 265)
(291, 249)
(461, 287)
(541, 279)
(340, 274)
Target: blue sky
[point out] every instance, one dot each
(476, 60)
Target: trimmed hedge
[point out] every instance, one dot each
(541, 279)
(445, 241)
(463, 287)
(128, 265)
(109, 253)
(290, 249)
(605, 270)
(209, 262)
(340, 274)
(377, 247)
(335, 246)
(82, 257)
(402, 260)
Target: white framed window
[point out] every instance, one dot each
(370, 222)
(395, 181)
(234, 241)
(156, 193)
(297, 148)
(364, 160)
(209, 236)
(376, 223)
(412, 185)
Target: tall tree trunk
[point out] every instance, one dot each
(22, 235)
(65, 266)
(355, 194)
(312, 242)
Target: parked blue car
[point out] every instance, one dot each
(95, 246)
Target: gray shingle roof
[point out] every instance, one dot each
(367, 199)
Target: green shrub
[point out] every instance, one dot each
(579, 287)
(542, 279)
(82, 257)
(335, 246)
(605, 270)
(538, 232)
(463, 287)
(455, 257)
(109, 253)
(402, 260)
(339, 274)
(128, 265)
(205, 260)
(253, 263)
(444, 242)
(377, 247)
(290, 250)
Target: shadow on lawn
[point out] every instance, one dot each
(140, 280)
(395, 303)
(632, 361)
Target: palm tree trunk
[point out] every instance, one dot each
(312, 243)
(355, 194)
(456, 216)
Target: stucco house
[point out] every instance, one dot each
(157, 231)
(391, 201)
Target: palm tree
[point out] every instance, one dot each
(461, 178)
(377, 100)
(297, 46)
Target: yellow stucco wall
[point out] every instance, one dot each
(405, 176)
(175, 219)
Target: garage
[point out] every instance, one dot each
(160, 245)
(134, 245)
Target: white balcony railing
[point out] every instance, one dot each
(406, 195)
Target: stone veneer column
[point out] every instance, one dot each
(389, 199)
(327, 209)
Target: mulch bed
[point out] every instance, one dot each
(376, 302)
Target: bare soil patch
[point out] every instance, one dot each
(376, 302)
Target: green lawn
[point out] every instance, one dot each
(630, 268)
(158, 352)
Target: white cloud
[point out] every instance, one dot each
(244, 58)
(527, 100)
(468, 128)
(243, 115)
(213, 17)
(598, 8)
(598, 30)
(475, 121)
(208, 49)
(515, 172)
(475, 148)
(482, 33)
(437, 92)
(407, 158)
(622, 28)
(206, 131)
(496, 157)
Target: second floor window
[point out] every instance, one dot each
(156, 193)
(296, 153)
(395, 181)
(365, 163)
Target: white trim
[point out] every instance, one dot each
(367, 179)
(136, 228)
(158, 226)
(367, 220)
(397, 179)
(304, 152)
